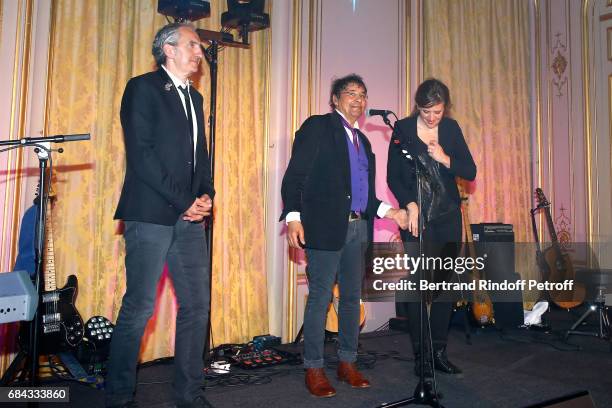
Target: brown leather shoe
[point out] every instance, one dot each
(348, 372)
(318, 384)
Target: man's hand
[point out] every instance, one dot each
(200, 208)
(399, 216)
(295, 234)
(413, 218)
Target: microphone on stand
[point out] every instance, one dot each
(377, 112)
(28, 141)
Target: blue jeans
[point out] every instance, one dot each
(148, 248)
(323, 267)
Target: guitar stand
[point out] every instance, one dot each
(463, 307)
(299, 336)
(599, 307)
(26, 363)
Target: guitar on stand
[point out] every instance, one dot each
(481, 306)
(61, 325)
(55, 317)
(555, 264)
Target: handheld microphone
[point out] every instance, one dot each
(377, 112)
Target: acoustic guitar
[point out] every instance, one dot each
(482, 307)
(331, 324)
(555, 263)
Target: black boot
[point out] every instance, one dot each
(441, 362)
(417, 366)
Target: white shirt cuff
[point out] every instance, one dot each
(292, 216)
(382, 209)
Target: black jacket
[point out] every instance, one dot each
(317, 182)
(400, 176)
(159, 185)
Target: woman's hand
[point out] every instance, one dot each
(413, 218)
(437, 153)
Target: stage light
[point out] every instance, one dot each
(245, 16)
(182, 10)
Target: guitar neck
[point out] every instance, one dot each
(551, 229)
(551, 226)
(469, 240)
(49, 257)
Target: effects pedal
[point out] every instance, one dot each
(266, 341)
(257, 359)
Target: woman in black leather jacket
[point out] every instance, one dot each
(433, 139)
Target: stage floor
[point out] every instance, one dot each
(512, 369)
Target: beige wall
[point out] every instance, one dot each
(571, 126)
(600, 101)
(23, 50)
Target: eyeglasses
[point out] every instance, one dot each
(355, 95)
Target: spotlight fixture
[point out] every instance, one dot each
(182, 10)
(245, 16)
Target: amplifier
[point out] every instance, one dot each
(496, 242)
(492, 232)
(18, 298)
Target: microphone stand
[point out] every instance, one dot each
(425, 392)
(43, 150)
(216, 40)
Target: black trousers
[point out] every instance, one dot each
(323, 267)
(441, 237)
(147, 248)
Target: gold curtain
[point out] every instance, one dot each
(97, 47)
(480, 49)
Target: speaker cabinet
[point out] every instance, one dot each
(495, 241)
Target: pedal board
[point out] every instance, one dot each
(258, 359)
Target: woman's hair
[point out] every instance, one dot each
(431, 92)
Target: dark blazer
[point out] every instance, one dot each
(159, 184)
(400, 177)
(317, 182)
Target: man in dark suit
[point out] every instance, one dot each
(167, 191)
(329, 207)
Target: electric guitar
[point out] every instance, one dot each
(61, 324)
(331, 324)
(555, 264)
(482, 307)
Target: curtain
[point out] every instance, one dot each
(480, 49)
(96, 48)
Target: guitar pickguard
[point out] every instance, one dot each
(62, 326)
